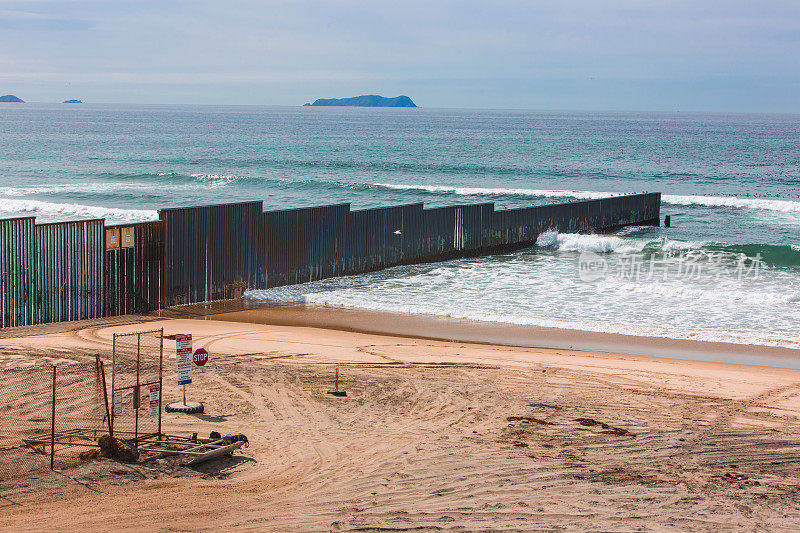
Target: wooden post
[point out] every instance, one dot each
(101, 368)
(113, 376)
(136, 391)
(160, 380)
(53, 423)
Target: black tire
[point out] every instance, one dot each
(188, 409)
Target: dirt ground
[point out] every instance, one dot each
(436, 436)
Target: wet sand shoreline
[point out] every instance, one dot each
(475, 331)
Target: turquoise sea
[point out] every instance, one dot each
(728, 269)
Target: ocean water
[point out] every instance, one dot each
(728, 269)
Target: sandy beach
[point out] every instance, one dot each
(435, 435)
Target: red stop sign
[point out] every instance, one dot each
(200, 356)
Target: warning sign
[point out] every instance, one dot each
(155, 393)
(184, 358)
(117, 405)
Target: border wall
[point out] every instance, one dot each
(78, 270)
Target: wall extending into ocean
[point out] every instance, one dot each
(78, 270)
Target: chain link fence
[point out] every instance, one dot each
(81, 416)
(136, 384)
(52, 415)
(26, 397)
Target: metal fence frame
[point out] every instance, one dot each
(139, 384)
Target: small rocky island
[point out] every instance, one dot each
(11, 98)
(366, 100)
(73, 101)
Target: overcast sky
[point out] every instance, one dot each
(711, 55)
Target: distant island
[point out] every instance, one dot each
(366, 100)
(73, 101)
(11, 98)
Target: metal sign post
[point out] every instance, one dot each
(183, 345)
(183, 357)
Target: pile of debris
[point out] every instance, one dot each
(193, 449)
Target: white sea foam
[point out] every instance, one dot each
(111, 187)
(576, 242)
(215, 180)
(545, 290)
(483, 191)
(50, 211)
(58, 188)
(421, 307)
(783, 206)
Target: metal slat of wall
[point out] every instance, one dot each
(318, 240)
(294, 236)
(69, 274)
(393, 237)
(270, 223)
(412, 233)
(368, 232)
(305, 244)
(287, 228)
(354, 250)
(444, 222)
(321, 232)
(132, 273)
(594, 219)
(403, 226)
(17, 268)
(277, 270)
(502, 227)
(476, 222)
(514, 227)
(342, 217)
(258, 251)
(546, 218)
(207, 250)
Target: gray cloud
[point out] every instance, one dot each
(506, 53)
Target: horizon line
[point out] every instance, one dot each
(585, 110)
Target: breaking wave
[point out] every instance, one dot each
(768, 254)
(50, 211)
(783, 206)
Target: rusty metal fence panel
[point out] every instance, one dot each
(304, 244)
(276, 226)
(17, 272)
(69, 270)
(212, 252)
(403, 230)
(366, 240)
(133, 271)
(477, 225)
(572, 217)
(327, 226)
(514, 227)
(438, 231)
